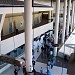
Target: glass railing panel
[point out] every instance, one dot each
(0, 17)
(13, 54)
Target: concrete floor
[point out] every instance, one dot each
(56, 70)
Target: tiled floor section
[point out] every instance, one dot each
(54, 71)
(20, 72)
(71, 67)
(59, 61)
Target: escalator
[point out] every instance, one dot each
(9, 60)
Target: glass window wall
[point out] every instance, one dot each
(14, 54)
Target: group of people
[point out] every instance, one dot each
(60, 35)
(47, 49)
(48, 42)
(41, 71)
(48, 46)
(16, 70)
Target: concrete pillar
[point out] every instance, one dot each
(64, 20)
(49, 16)
(2, 21)
(0, 42)
(68, 17)
(56, 25)
(72, 16)
(1, 25)
(74, 21)
(28, 34)
(39, 17)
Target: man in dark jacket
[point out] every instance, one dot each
(24, 70)
(15, 72)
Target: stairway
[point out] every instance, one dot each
(10, 60)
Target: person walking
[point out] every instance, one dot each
(41, 71)
(38, 48)
(34, 71)
(53, 61)
(49, 62)
(15, 72)
(24, 70)
(48, 72)
(33, 62)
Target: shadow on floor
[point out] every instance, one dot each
(71, 68)
(60, 62)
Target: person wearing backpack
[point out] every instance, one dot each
(48, 72)
(41, 71)
(15, 72)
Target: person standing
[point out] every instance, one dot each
(15, 72)
(34, 71)
(48, 72)
(38, 48)
(51, 54)
(49, 62)
(41, 71)
(33, 62)
(24, 70)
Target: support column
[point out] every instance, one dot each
(0, 42)
(49, 16)
(74, 20)
(39, 17)
(64, 20)
(56, 25)
(28, 34)
(68, 17)
(72, 16)
(1, 25)
(2, 21)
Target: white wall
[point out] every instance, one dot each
(19, 40)
(8, 10)
(74, 20)
(7, 45)
(42, 29)
(45, 2)
(10, 44)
